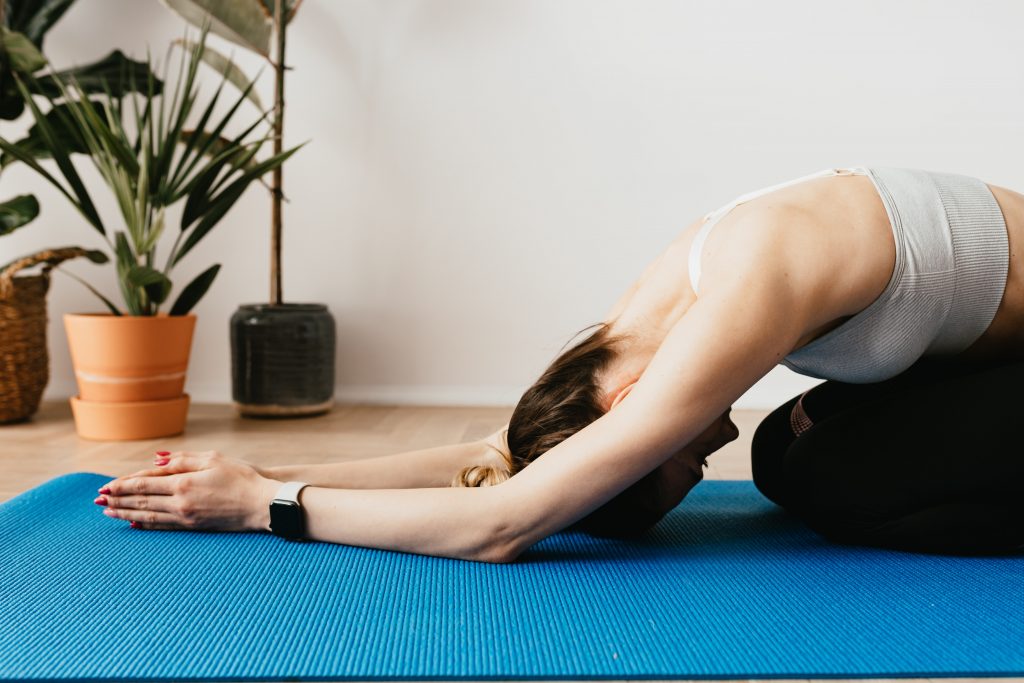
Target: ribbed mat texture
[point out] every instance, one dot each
(726, 586)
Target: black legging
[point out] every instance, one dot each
(931, 460)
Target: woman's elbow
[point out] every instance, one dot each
(503, 550)
(503, 540)
(497, 554)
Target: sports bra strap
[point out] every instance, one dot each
(713, 217)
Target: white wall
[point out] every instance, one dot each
(486, 177)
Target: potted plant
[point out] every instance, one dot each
(24, 357)
(282, 354)
(130, 365)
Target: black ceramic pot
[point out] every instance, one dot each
(282, 360)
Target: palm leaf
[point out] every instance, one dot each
(226, 67)
(220, 204)
(182, 172)
(125, 262)
(156, 285)
(33, 143)
(105, 300)
(194, 291)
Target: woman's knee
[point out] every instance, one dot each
(772, 437)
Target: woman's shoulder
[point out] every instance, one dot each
(834, 261)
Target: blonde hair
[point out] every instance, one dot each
(487, 475)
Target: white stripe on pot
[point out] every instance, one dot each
(110, 379)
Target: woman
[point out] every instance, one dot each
(849, 275)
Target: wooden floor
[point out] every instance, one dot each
(47, 445)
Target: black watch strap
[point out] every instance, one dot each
(287, 518)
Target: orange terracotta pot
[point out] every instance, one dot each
(110, 421)
(129, 358)
(131, 374)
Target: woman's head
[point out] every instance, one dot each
(566, 398)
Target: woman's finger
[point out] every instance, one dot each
(127, 486)
(151, 502)
(143, 516)
(186, 461)
(183, 461)
(153, 526)
(154, 472)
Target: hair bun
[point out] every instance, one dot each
(480, 475)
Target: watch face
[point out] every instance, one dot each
(286, 519)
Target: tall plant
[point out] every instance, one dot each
(151, 159)
(23, 26)
(255, 25)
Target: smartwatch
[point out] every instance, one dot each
(286, 516)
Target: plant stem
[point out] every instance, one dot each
(277, 190)
(170, 255)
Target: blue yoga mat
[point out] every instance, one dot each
(726, 586)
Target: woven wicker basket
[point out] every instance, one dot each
(24, 362)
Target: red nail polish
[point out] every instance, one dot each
(100, 500)
(132, 525)
(163, 452)
(162, 461)
(105, 489)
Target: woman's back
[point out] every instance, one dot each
(875, 247)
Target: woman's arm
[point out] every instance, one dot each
(730, 337)
(207, 491)
(421, 468)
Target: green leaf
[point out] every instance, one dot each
(156, 228)
(17, 212)
(97, 256)
(194, 291)
(219, 205)
(11, 104)
(30, 18)
(125, 262)
(179, 185)
(27, 159)
(21, 54)
(168, 140)
(156, 284)
(198, 199)
(67, 135)
(35, 17)
(105, 300)
(60, 155)
(243, 22)
(123, 252)
(116, 74)
(227, 68)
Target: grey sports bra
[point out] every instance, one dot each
(952, 259)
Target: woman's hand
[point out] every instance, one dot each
(198, 490)
(265, 472)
